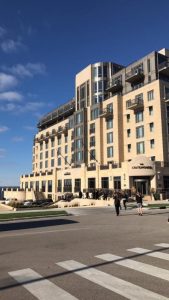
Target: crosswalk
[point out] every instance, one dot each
(43, 289)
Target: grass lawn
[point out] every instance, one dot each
(29, 215)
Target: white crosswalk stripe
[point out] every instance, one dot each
(164, 245)
(136, 265)
(119, 286)
(41, 288)
(155, 254)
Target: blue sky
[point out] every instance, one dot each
(43, 44)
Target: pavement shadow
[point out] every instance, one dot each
(34, 224)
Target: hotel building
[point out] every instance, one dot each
(114, 134)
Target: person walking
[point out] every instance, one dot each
(117, 203)
(139, 200)
(125, 199)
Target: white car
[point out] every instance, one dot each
(27, 203)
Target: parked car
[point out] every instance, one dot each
(27, 203)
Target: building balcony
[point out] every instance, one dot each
(136, 104)
(134, 76)
(104, 167)
(92, 144)
(163, 68)
(114, 86)
(105, 113)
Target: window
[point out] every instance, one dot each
(46, 154)
(92, 128)
(99, 71)
(59, 141)
(139, 132)
(91, 183)
(79, 131)
(109, 152)
(79, 156)
(52, 163)
(93, 154)
(79, 144)
(140, 148)
(52, 143)
(139, 116)
(46, 145)
(109, 137)
(152, 143)
(148, 65)
(128, 103)
(41, 146)
(100, 86)
(59, 189)
(43, 186)
(77, 185)
(109, 123)
(41, 155)
(128, 118)
(94, 113)
(105, 182)
(150, 95)
(66, 149)
(41, 165)
(129, 148)
(59, 151)
(66, 160)
(49, 186)
(117, 182)
(92, 141)
(152, 158)
(150, 110)
(109, 107)
(59, 161)
(128, 132)
(52, 152)
(46, 164)
(151, 127)
(79, 118)
(66, 138)
(67, 185)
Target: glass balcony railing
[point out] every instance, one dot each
(135, 75)
(135, 104)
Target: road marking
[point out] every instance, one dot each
(136, 265)
(42, 289)
(164, 245)
(112, 283)
(156, 254)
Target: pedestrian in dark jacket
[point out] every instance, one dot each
(117, 203)
(139, 200)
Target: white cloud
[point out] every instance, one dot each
(2, 31)
(31, 128)
(11, 96)
(7, 81)
(17, 139)
(28, 70)
(10, 46)
(3, 128)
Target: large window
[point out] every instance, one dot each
(109, 123)
(117, 182)
(91, 183)
(79, 156)
(92, 128)
(79, 131)
(150, 95)
(109, 137)
(139, 116)
(139, 132)
(151, 112)
(109, 151)
(77, 185)
(49, 186)
(92, 154)
(43, 186)
(140, 148)
(52, 152)
(105, 182)
(67, 185)
(79, 118)
(79, 144)
(59, 189)
(52, 163)
(92, 141)
(94, 113)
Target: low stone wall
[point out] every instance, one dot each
(85, 202)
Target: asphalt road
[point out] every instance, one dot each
(39, 258)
